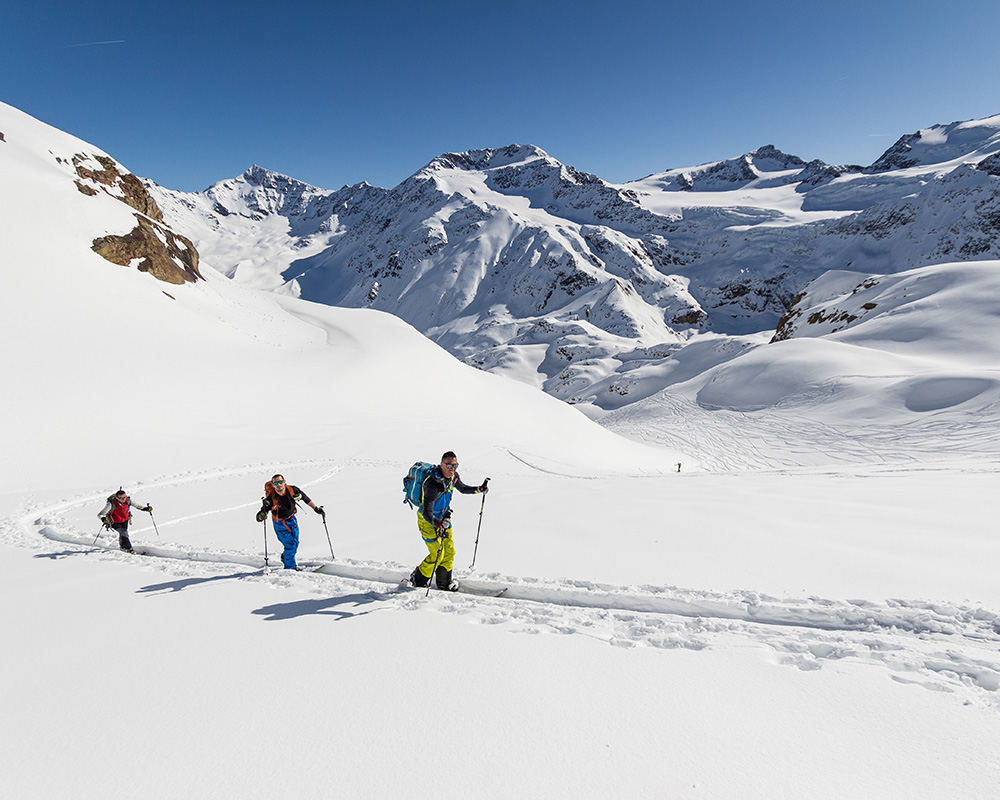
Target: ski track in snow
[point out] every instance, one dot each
(942, 647)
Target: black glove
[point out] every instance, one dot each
(106, 521)
(149, 509)
(261, 515)
(321, 512)
(485, 487)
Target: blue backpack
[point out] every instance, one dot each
(413, 483)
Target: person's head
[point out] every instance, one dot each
(278, 482)
(121, 495)
(449, 463)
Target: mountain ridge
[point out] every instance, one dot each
(525, 266)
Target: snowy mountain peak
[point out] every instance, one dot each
(770, 159)
(972, 140)
(260, 193)
(259, 176)
(489, 159)
(766, 162)
(512, 168)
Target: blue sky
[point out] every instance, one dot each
(338, 92)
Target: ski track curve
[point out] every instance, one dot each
(940, 646)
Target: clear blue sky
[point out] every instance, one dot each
(333, 92)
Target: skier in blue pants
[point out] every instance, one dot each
(279, 499)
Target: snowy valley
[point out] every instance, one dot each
(761, 564)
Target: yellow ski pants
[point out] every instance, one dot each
(446, 545)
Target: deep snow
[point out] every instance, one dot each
(782, 617)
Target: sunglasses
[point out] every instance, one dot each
(278, 483)
(450, 466)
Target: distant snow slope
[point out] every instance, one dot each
(893, 367)
(526, 267)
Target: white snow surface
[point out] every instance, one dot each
(807, 608)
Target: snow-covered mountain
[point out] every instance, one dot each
(785, 616)
(524, 266)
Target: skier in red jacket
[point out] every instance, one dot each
(117, 513)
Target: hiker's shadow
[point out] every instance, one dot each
(326, 606)
(184, 583)
(63, 554)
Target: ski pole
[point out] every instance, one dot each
(154, 524)
(479, 528)
(328, 538)
(440, 541)
(104, 527)
(266, 564)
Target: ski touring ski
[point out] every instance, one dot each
(464, 587)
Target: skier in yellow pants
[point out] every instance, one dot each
(434, 523)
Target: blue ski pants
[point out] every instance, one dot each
(287, 531)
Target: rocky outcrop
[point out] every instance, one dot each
(153, 248)
(817, 172)
(151, 245)
(122, 186)
(898, 156)
(990, 165)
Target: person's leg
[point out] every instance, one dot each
(121, 528)
(287, 531)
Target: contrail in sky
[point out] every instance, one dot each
(94, 44)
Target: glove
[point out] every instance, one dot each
(148, 508)
(261, 515)
(321, 512)
(106, 521)
(443, 527)
(485, 487)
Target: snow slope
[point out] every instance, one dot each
(823, 631)
(900, 367)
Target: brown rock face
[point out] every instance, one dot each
(165, 255)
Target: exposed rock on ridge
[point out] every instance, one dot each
(165, 255)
